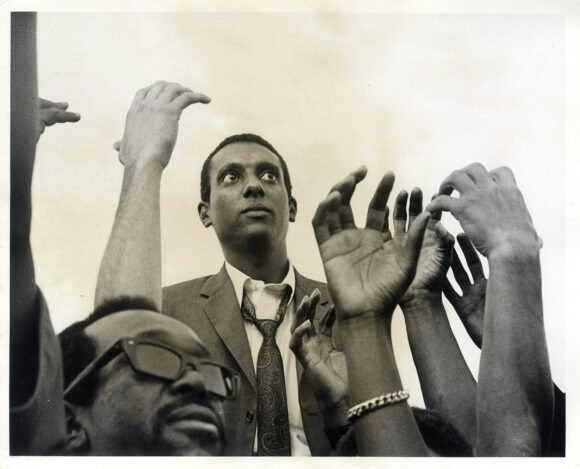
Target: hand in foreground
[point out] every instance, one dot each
(436, 251)
(324, 367)
(490, 208)
(470, 306)
(152, 122)
(367, 270)
(50, 113)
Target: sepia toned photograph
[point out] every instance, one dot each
(293, 230)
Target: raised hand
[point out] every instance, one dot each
(436, 251)
(50, 113)
(324, 367)
(470, 306)
(490, 208)
(152, 122)
(367, 270)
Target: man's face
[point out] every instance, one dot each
(248, 199)
(136, 414)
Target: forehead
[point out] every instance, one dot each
(145, 325)
(245, 154)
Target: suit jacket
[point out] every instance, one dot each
(209, 306)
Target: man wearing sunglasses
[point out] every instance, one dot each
(149, 390)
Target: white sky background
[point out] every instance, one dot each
(419, 93)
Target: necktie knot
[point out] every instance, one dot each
(267, 327)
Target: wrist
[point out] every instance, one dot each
(420, 301)
(514, 251)
(143, 164)
(334, 414)
(366, 320)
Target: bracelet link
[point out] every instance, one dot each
(376, 403)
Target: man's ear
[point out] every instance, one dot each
(293, 209)
(203, 210)
(77, 438)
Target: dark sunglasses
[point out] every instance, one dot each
(162, 361)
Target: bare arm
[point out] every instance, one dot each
(367, 272)
(28, 115)
(446, 381)
(131, 264)
(515, 393)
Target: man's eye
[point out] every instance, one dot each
(269, 176)
(230, 177)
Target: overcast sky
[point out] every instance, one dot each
(419, 94)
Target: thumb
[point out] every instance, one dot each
(117, 145)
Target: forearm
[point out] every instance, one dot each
(446, 381)
(131, 264)
(23, 291)
(372, 372)
(515, 395)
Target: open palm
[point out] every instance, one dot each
(366, 269)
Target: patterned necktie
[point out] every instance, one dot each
(273, 426)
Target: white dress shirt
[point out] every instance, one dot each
(266, 298)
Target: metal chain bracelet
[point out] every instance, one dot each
(376, 403)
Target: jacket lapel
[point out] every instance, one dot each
(223, 312)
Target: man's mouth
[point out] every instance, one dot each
(193, 413)
(256, 209)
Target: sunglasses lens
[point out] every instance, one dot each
(156, 361)
(218, 380)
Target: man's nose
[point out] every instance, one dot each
(191, 382)
(253, 188)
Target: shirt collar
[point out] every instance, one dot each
(239, 278)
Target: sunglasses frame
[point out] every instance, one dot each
(126, 345)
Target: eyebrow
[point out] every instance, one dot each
(267, 166)
(235, 167)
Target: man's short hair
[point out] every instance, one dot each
(78, 349)
(252, 138)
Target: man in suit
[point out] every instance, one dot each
(246, 196)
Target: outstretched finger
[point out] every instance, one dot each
(471, 256)
(451, 295)
(459, 272)
(415, 204)
(188, 98)
(444, 203)
(54, 116)
(444, 239)
(400, 213)
(326, 214)
(302, 313)
(346, 188)
(296, 339)
(378, 205)
(171, 91)
(47, 104)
